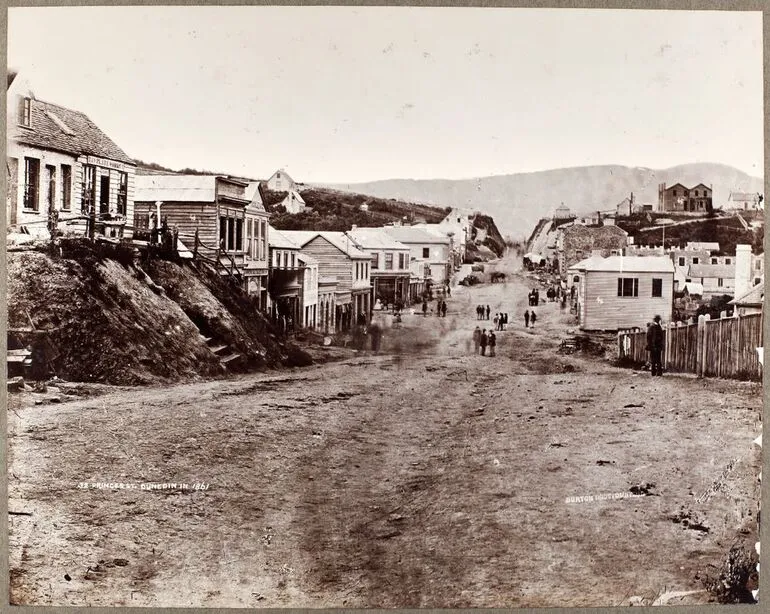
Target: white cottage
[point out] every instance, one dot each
(623, 291)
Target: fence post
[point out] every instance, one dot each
(701, 341)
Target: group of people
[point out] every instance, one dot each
(534, 297)
(482, 313)
(500, 320)
(483, 340)
(441, 308)
(530, 317)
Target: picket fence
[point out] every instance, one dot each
(723, 347)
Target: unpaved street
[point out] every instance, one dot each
(425, 476)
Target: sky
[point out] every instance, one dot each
(351, 94)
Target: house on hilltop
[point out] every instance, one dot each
(678, 198)
(744, 201)
(60, 165)
(280, 181)
(293, 203)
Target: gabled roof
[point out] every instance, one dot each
(338, 239)
(307, 259)
(674, 186)
(278, 240)
(723, 271)
(700, 185)
(284, 173)
(712, 246)
(375, 238)
(293, 194)
(753, 298)
(628, 264)
(60, 129)
(253, 194)
(693, 289)
(744, 196)
(175, 188)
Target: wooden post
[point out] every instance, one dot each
(738, 347)
(702, 352)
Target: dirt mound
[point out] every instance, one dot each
(105, 321)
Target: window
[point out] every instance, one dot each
(25, 112)
(231, 234)
(714, 261)
(389, 261)
(293, 260)
(657, 288)
(31, 183)
(720, 282)
(696, 192)
(628, 286)
(579, 254)
(673, 192)
(122, 193)
(375, 260)
(66, 187)
(758, 265)
(728, 260)
(104, 194)
(575, 279)
(402, 261)
(426, 252)
(687, 193)
(757, 280)
(695, 260)
(89, 188)
(681, 261)
(50, 176)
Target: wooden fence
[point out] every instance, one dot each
(725, 347)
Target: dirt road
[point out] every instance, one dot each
(425, 476)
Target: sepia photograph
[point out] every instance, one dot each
(383, 307)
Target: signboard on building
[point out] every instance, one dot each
(106, 163)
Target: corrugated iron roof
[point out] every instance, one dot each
(753, 297)
(338, 239)
(175, 188)
(278, 240)
(628, 264)
(375, 238)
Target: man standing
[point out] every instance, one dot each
(424, 308)
(492, 341)
(484, 340)
(476, 339)
(526, 318)
(532, 318)
(488, 310)
(443, 309)
(655, 346)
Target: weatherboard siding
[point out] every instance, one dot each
(187, 217)
(331, 262)
(603, 309)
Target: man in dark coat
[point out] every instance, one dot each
(484, 340)
(526, 318)
(488, 310)
(476, 339)
(655, 346)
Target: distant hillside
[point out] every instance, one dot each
(518, 201)
(335, 210)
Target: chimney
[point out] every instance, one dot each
(353, 227)
(743, 272)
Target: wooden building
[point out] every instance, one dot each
(698, 199)
(60, 165)
(623, 291)
(339, 260)
(390, 261)
(286, 283)
(214, 219)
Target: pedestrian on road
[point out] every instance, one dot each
(424, 308)
(476, 339)
(438, 308)
(488, 310)
(655, 346)
(478, 312)
(505, 321)
(526, 318)
(484, 341)
(532, 318)
(496, 320)
(492, 341)
(443, 309)
(537, 297)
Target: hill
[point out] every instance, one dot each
(518, 201)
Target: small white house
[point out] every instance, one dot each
(280, 181)
(294, 203)
(623, 291)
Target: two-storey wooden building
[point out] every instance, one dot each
(214, 219)
(349, 267)
(390, 260)
(286, 282)
(60, 165)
